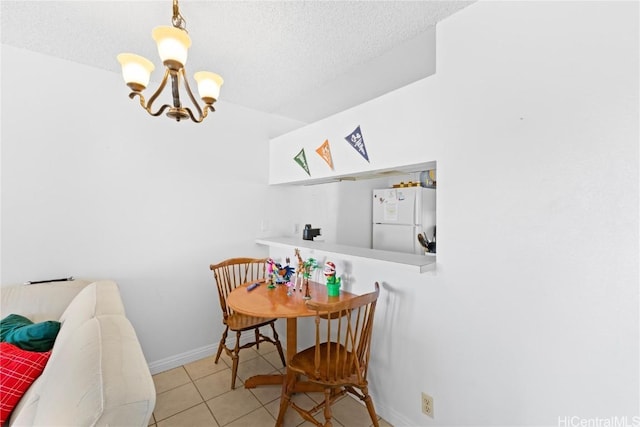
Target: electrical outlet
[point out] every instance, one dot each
(427, 404)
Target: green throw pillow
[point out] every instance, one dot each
(23, 333)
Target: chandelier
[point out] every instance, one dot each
(173, 43)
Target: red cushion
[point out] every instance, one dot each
(18, 370)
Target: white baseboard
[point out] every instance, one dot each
(182, 358)
(393, 417)
(200, 353)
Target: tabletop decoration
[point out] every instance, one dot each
(271, 273)
(303, 272)
(333, 282)
(290, 289)
(309, 265)
(284, 272)
(299, 271)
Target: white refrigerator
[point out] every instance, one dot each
(399, 215)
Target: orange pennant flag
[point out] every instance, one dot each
(325, 152)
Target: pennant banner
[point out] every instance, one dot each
(301, 159)
(325, 152)
(357, 141)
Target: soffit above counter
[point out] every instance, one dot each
(368, 174)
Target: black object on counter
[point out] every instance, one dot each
(309, 233)
(430, 246)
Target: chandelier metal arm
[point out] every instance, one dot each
(203, 115)
(147, 107)
(177, 111)
(190, 93)
(141, 96)
(155, 95)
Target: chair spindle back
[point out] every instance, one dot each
(342, 350)
(233, 272)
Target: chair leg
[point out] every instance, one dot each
(235, 358)
(222, 343)
(327, 407)
(370, 408)
(278, 345)
(287, 387)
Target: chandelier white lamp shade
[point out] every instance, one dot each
(173, 45)
(208, 85)
(136, 70)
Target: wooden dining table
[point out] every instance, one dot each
(263, 301)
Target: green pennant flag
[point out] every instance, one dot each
(301, 159)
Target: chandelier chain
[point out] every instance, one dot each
(178, 20)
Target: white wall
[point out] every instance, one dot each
(92, 186)
(532, 314)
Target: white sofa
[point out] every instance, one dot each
(97, 374)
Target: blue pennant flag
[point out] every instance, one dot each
(357, 141)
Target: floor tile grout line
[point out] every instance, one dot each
(193, 382)
(179, 412)
(253, 395)
(200, 393)
(242, 416)
(263, 405)
(212, 414)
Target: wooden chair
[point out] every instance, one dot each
(340, 358)
(229, 274)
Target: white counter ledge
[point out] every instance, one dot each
(412, 262)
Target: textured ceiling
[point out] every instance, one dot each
(270, 53)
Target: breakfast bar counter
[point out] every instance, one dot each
(411, 262)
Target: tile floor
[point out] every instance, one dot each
(199, 395)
